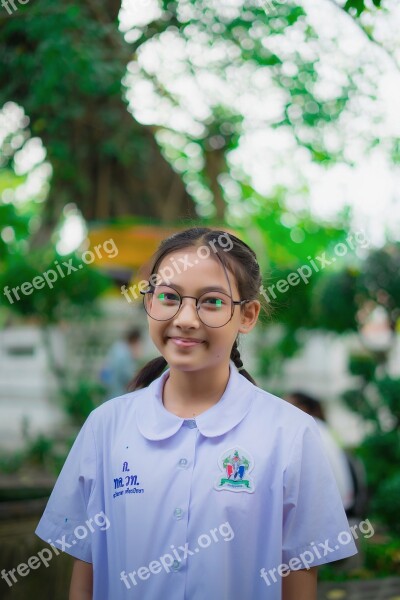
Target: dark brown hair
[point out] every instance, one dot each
(133, 335)
(241, 261)
(308, 404)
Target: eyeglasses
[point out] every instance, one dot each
(215, 309)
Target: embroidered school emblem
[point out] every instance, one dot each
(235, 464)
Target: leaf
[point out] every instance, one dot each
(359, 6)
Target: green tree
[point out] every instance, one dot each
(64, 66)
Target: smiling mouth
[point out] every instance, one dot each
(185, 343)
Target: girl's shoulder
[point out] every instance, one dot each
(120, 408)
(270, 408)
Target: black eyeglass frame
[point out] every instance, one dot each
(233, 303)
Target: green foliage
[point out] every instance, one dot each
(11, 462)
(85, 63)
(287, 240)
(40, 454)
(76, 103)
(334, 301)
(39, 450)
(377, 400)
(386, 502)
(389, 391)
(338, 296)
(18, 222)
(358, 402)
(383, 557)
(380, 453)
(80, 287)
(380, 279)
(357, 7)
(271, 354)
(362, 365)
(292, 308)
(100, 156)
(93, 65)
(81, 398)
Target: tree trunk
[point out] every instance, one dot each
(69, 84)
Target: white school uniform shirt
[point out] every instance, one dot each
(194, 509)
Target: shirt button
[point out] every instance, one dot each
(176, 565)
(178, 513)
(191, 423)
(183, 462)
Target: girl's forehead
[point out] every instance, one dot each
(192, 266)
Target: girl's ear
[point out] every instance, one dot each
(249, 316)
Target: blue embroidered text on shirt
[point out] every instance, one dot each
(236, 463)
(127, 482)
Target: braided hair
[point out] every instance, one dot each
(235, 356)
(241, 260)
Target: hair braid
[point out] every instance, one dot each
(147, 374)
(235, 356)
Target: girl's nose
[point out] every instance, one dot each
(187, 314)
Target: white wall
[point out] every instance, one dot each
(320, 369)
(26, 384)
(27, 387)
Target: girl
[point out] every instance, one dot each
(198, 484)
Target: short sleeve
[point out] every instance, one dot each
(315, 527)
(65, 518)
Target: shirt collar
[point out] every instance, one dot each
(155, 422)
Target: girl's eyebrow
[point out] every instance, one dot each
(209, 288)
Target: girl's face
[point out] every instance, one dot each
(215, 344)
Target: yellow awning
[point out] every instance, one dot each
(135, 244)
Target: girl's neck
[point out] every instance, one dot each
(189, 393)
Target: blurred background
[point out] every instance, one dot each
(119, 125)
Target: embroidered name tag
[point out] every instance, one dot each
(236, 465)
(127, 484)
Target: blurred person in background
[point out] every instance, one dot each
(338, 458)
(121, 363)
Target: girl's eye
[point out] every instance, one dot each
(167, 297)
(213, 302)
